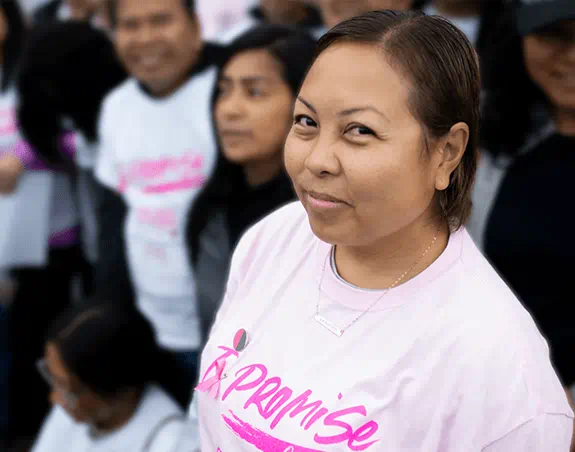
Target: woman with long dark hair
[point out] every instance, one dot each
(257, 85)
(112, 387)
(525, 180)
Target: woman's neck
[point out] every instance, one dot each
(380, 264)
(123, 413)
(258, 173)
(458, 8)
(565, 122)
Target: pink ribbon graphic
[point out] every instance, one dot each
(212, 385)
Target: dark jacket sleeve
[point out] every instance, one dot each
(111, 274)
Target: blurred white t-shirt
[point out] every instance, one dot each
(155, 427)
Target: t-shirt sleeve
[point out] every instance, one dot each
(545, 433)
(106, 168)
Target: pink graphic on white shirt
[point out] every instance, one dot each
(277, 403)
(259, 439)
(165, 174)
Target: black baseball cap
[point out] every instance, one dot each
(533, 15)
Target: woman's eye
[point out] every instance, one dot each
(304, 121)
(255, 92)
(360, 131)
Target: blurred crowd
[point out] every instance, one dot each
(140, 139)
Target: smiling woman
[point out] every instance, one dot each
(370, 316)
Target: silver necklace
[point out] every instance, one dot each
(332, 327)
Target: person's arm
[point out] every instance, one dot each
(23, 157)
(30, 159)
(112, 278)
(545, 433)
(111, 274)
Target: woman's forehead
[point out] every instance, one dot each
(347, 74)
(252, 63)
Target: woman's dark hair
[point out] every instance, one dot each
(512, 99)
(293, 50)
(66, 71)
(112, 349)
(443, 69)
(12, 47)
(112, 7)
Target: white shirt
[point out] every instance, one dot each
(42, 205)
(156, 426)
(158, 153)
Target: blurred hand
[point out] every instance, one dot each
(11, 169)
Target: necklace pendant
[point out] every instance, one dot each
(328, 325)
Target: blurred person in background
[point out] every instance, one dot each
(66, 70)
(112, 388)
(336, 11)
(525, 178)
(298, 13)
(254, 99)
(82, 10)
(476, 18)
(12, 33)
(219, 16)
(157, 149)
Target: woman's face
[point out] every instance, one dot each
(550, 60)
(253, 109)
(356, 153)
(82, 404)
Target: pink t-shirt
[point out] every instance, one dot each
(449, 361)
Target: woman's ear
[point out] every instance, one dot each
(452, 150)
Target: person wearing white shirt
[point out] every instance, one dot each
(111, 385)
(336, 11)
(298, 13)
(157, 149)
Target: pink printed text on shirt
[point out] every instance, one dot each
(277, 403)
(165, 174)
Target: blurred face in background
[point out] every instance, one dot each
(550, 61)
(158, 42)
(67, 390)
(336, 11)
(253, 109)
(284, 11)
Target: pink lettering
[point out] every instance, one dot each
(363, 433)
(316, 417)
(348, 435)
(279, 398)
(247, 371)
(271, 399)
(261, 394)
(298, 405)
(161, 218)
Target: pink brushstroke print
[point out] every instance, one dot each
(259, 439)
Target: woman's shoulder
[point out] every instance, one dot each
(285, 226)
(283, 234)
